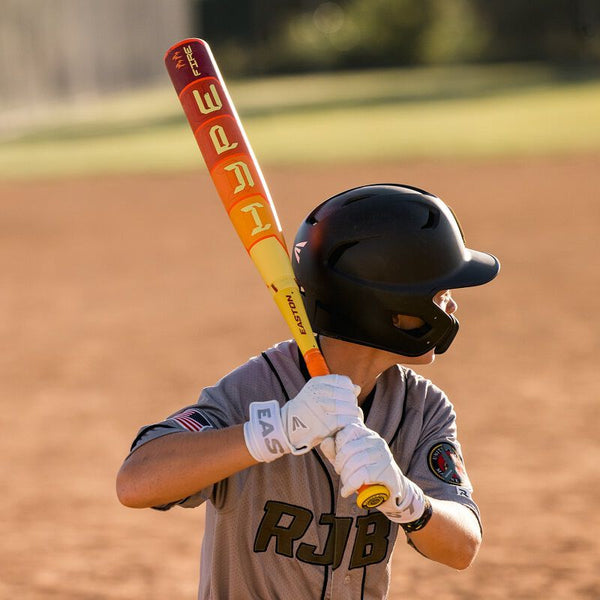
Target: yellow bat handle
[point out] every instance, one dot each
(242, 188)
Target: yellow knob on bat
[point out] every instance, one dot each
(371, 496)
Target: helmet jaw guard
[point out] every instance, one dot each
(368, 320)
(376, 251)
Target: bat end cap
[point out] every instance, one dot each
(184, 43)
(371, 496)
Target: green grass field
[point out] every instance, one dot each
(459, 112)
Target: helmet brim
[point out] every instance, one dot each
(478, 268)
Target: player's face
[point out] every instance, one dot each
(447, 303)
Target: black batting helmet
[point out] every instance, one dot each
(375, 251)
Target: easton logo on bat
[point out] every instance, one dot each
(295, 313)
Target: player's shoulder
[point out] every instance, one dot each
(419, 383)
(277, 366)
(284, 353)
(282, 357)
(424, 395)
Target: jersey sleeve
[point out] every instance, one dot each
(193, 418)
(219, 406)
(437, 463)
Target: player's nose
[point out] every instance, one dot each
(446, 302)
(452, 306)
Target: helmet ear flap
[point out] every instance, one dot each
(437, 332)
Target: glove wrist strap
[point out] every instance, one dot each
(421, 521)
(407, 506)
(263, 432)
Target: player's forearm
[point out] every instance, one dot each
(179, 465)
(452, 536)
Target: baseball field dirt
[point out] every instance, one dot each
(122, 297)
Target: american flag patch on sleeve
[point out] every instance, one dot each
(191, 419)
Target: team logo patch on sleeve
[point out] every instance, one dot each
(446, 464)
(191, 419)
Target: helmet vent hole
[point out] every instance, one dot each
(433, 219)
(335, 256)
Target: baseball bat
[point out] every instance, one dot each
(242, 188)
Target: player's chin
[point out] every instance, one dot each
(424, 359)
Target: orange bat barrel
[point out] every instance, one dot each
(240, 182)
(244, 193)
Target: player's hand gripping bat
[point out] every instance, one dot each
(242, 188)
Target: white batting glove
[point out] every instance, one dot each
(361, 456)
(322, 407)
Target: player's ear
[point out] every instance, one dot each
(407, 322)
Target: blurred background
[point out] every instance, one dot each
(78, 76)
(125, 291)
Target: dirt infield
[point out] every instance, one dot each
(122, 297)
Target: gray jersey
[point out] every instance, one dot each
(281, 529)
